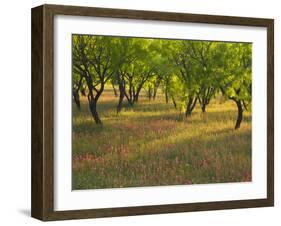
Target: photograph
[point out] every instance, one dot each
(138, 112)
(155, 112)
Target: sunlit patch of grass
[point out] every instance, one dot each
(151, 143)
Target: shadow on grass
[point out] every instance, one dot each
(212, 140)
(192, 152)
(196, 117)
(113, 121)
(153, 106)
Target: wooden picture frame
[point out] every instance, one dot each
(43, 112)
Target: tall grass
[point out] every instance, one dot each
(154, 144)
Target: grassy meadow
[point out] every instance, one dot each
(152, 143)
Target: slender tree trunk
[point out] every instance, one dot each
(174, 102)
(155, 87)
(75, 93)
(119, 106)
(129, 99)
(190, 106)
(121, 97)
(245, 105)
(93, 100)
(114, 90)
(93, 109)
(166, 96)
(149, 93)
(83, 92)
(137, 94)
(203, 108)
(77, 99)
(155, 92)
(239, 114)
(136, 97)
(130, 94)
(122, 87)
(203, 103)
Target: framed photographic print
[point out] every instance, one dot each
(141, 112)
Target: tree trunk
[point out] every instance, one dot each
(239, 114)
(83, 92)
(188, 109)
(114, 90)
(77, 99)
(136, 97)
(203, 103)
(122, 87)
(203, 108)
(245, 105)
(149, 93)
(130, 94)
(174, 102)
(190, 106)
(93, 109)
(121, 97)
(155, 92)
(129, 99)
(166, 96)
(137, 94)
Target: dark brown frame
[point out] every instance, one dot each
(42, 203)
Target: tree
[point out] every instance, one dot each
(136, 76)
(123, 53)
(165, 67)
(137, 69)
(76, 86)
(236, 76)
(186, 71)
(128, 62)
(201, 55)
(176, 90)
(93, 62)
(152, 85)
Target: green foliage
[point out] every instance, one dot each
(186, 70)
(93, 56)
(237, 71)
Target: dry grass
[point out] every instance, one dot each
(153, 144)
